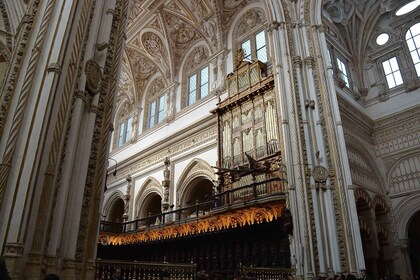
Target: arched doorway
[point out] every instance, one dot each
(414, 246)
(116, 211)
(152, 206)
(199, 191)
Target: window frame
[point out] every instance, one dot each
(252, 37)
(157, 111)
(198, 85)
(344, 62)
(125, 121)
(388, 58)
(407, 51)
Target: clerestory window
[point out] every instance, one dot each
(124, 131)
(255, 47)
(392, 72)
(412, 38)
(343, 71)
(156, 111)
(198, 85)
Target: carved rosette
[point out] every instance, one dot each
(93, 76)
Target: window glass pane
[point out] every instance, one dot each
(343, 70)
(192, 89)
(262, 54)
(121, 134)
(193, 83)
(390, 80)
(387, 67)
(191, 97)
(261, 46)
(398, 78)
(418, 69)
(204, 75)
(415, 29)
(128, 130)
(152, 114)
(161, 111)
(204, 90)
(246, 46)
(260, 40)
(394, 64)
(417, 42)
(415, 57)
(204, 82)
(410, 44)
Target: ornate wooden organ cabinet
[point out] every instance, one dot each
(249, 146)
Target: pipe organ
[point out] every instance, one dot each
(247, 121)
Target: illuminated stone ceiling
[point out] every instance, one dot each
(161, 32)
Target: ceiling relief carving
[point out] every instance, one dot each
(181, 36)
(155, 47)
(142, 68)
(156, 87)
(136, 10)
(197, 57)
(228, 9)
(249, 21)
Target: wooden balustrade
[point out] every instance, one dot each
(262, 273)
(144, 270)
(237, 196)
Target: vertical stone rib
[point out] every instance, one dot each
(23, 98)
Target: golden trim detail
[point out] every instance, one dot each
(206, 223)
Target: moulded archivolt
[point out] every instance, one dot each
(405, 175)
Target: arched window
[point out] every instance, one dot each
(412, 38)
(155, 103)
(250, 35)
(197, 76)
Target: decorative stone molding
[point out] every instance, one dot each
(405, 175)
(397, 134)
(196, 140)
(195, 169)
(150, 186)
(54, 67)
(93, 76)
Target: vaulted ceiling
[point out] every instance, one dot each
(161, 32)
(356, 22)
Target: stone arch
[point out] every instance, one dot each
(363, 168)
(404, 175)
(274, 11)
(362, 195)
(380, 205)
(107, 206)
(230, 36)
(149, 187)
(403, 212)
(195, 169)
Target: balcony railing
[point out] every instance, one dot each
(144, 270)
(237, 197)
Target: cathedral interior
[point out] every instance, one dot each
(271, 138)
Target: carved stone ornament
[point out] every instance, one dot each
(93, 76)
(320, 174)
